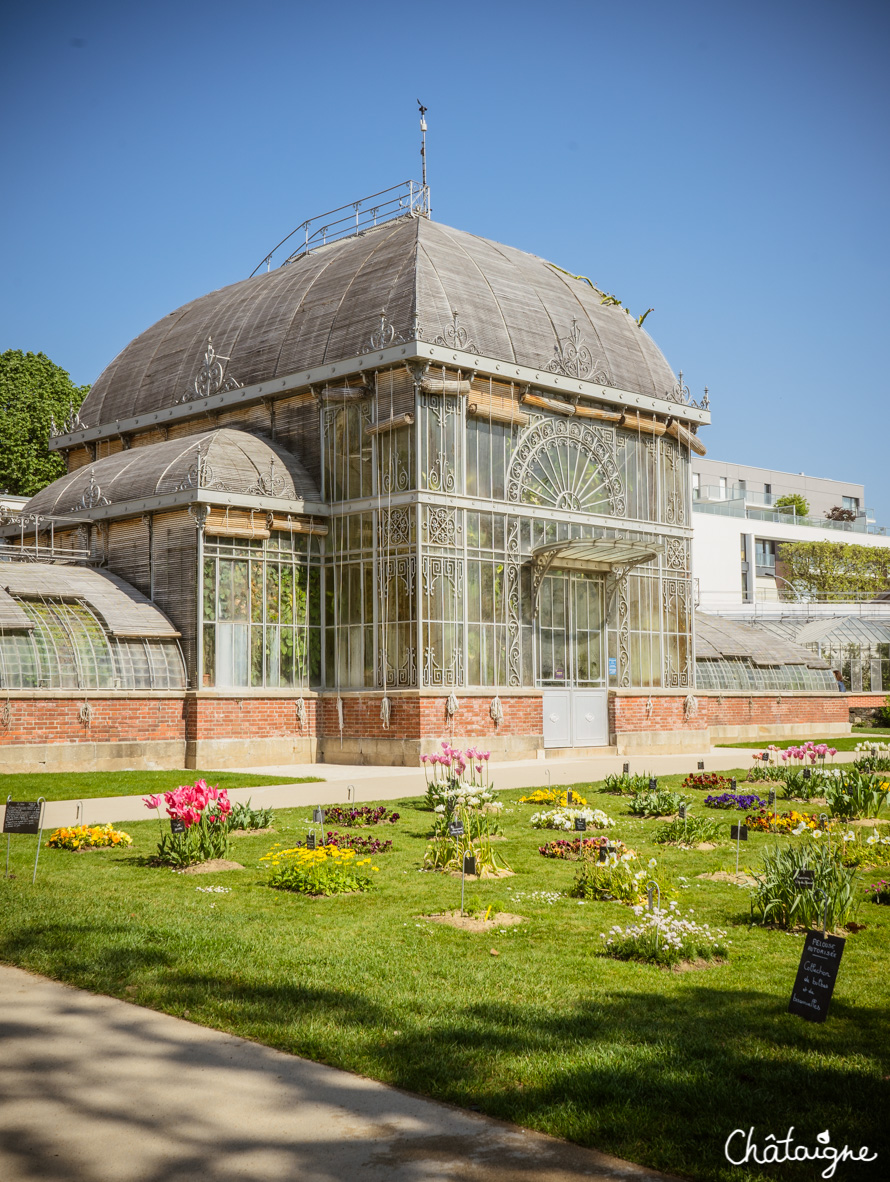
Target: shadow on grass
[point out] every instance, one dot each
(652, 1076)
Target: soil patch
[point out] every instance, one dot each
(470, 923)
(250, 832)
(725, 876)
(484, 874)
(872, 822)
(212, 867)
(692, 966)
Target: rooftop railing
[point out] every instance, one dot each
(409, 197)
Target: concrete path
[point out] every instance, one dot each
(363, 783)
(96, 1090)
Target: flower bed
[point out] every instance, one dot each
(765, 821)
(616, 878)
(88, 837)
(204, 812)
(574, 848)
(565, 819)
(732, 800)
(657, 803)
(878, 892)
(358, 842)
(559, 799)
(690, 832)
(324, 871)
(708, 780)
(360, 817)
(625, 783)
(777, 898)
(661, 936)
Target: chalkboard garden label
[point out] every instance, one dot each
(455, 828)
(580, 824)
(804, 880)
(177, 825)
(469, 863)
(310, 840)
(816, 976)
(738, 832)
(22, 816)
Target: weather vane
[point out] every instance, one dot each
(423, 111)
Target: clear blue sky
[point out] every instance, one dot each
(724, 162)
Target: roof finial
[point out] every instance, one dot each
(423, 111)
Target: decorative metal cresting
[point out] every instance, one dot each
(201, 475)
(211, 378)
(92, 497)
(406, 198)
(268, 484)
(573, 358)
(71, 424)
(383, 336)
(455, 336)
(680, 393)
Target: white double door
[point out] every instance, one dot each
(571, 660)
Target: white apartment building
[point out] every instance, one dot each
(737, 571)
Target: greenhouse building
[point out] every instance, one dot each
(411, 485)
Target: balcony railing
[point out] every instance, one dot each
(734, 501)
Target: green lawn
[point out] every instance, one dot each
(87, 785)
(838, 742)
(653, 1066)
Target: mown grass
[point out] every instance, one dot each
(838, 742)
(653, 1066)
(89, 785)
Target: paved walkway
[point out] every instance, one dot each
(362, 783)
(97, 1090)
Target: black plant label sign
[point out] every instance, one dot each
(570, 796)
(738, 832)
(469, 864)
(626, 769)
(807, 773)
(653, 785)
(580, 824)
(816, 976)
(772, 796)
(804, 880)
(682, 812)
(310, 840)
(701, 765)
(455, 828)
(22, 816)
(177, 825)
(318, 816)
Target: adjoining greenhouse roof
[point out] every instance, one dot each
(717, 637)
(123, 610)
(224, 460)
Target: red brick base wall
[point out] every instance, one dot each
(108, 720)
(656, 713)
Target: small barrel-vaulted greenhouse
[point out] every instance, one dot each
(413, 484)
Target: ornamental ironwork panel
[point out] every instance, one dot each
(442, 526)
(436, 673)
(676, 555)
(437, 567)
(514, 605)
(563, 464)
(676, 601)
(395, 528)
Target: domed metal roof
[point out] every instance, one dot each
(408, 279)
(223, 460)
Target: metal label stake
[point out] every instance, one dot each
(652, 888)
(739, 833)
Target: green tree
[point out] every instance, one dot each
(836, 570)
(793, 501)
(33, 391)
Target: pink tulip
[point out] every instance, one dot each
(151, 802)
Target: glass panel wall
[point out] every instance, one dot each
(262, 612)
